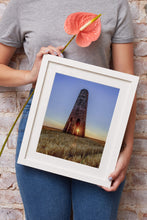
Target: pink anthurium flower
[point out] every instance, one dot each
(87, 27)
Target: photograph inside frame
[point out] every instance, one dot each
(77, 120)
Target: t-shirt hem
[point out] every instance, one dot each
(128, 40)
(11, 44)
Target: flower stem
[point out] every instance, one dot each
(15, 122)
(68, 43)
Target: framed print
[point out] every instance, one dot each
(77, 119)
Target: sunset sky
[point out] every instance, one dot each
(101, 104)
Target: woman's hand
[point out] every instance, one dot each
(33, 74)
(119, 174)
(123, 161)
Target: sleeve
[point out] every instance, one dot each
(9, 26)
(124, 27)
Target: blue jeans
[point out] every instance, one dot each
(47, 196)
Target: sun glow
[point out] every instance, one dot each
(77, 131)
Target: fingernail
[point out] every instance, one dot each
(61, 55)
(46, 51)
(110, 178)
(55, 53)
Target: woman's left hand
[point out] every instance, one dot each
(119, 173)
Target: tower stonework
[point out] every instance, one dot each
(77, 120)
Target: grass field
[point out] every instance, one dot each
(82, 150)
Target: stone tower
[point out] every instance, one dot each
(77, 120)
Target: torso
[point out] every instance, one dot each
(42, 24)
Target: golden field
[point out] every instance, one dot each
(78, 149)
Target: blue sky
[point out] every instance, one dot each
(101, 104)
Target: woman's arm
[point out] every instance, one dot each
(122, 55)
(10, 77)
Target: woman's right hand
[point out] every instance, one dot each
(10, 77)
(33, 74)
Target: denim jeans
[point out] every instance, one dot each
(47, 196)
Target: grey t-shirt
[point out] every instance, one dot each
(39, 23)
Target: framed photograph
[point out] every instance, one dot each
(77, 119)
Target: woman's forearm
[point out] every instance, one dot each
(129, 134)
(123, 61)
(10, 77)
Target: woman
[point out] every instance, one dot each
(38, 24)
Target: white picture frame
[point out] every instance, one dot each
(124, 86)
